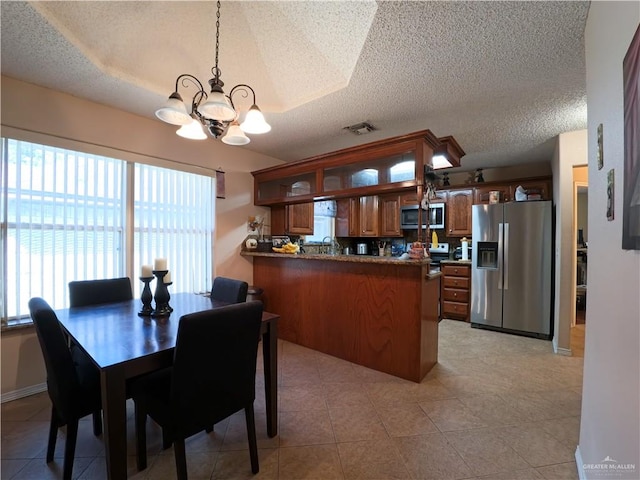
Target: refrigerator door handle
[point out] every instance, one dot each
(500, 247)
(506, 256)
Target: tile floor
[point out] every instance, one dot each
(496, 406)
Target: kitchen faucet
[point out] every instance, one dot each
(332, 247)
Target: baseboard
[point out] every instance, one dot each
(559, 350)
(579, 464)
(23, 392)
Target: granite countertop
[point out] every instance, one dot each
(453, 262)
(340, 258)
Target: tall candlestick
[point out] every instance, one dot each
(160, 264)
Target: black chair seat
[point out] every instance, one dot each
(229, 290)
(73, 383)
(213, 377)
(94, 292)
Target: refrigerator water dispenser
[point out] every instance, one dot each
(487, 255)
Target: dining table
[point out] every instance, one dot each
(124, 345)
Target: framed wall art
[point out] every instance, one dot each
(631, 170)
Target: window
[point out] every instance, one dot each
(64, 217)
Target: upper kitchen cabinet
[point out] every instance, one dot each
(296, 219)
(386, 166)
(535, 188)
(481, 194)
(458, 212)
(389, 209)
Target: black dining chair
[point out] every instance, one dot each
(229, 290)
(94, 292)
(73, 383)
(212, 377)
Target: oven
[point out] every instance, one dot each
(441, 252)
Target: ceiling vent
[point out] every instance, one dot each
(361, 128)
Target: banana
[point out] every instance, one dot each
(287, 248)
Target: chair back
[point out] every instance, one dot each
(93, 292)
(214, 366)
(229, 290)
(62, 379)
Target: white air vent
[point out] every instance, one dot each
(361, 128)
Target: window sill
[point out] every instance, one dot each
(17, 324)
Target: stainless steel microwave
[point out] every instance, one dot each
(409, 216)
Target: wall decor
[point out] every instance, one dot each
(220, 193)
(600, 151)
(610, 195)
(631, 171)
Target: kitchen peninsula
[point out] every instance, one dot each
(379, 312)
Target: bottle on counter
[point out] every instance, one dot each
(465, 249)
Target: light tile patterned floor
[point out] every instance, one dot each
(496, 406)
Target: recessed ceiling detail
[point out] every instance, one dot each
(296, 51)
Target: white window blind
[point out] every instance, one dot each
(63, 220)
(64, 217)
(174, 220)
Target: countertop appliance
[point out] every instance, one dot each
(441, 252)
(435, 216)
(511, 267)
(362, 249)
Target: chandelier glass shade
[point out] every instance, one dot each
(214, 111)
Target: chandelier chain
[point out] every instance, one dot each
(217, 72)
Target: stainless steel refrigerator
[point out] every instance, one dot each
(511, 267)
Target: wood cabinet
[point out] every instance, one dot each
(481, 194)
(300, 219)
(389, 208)
(409, 198)
(456, 289)
(533, 187)
(368, 217)
(294, 219)
(458, 212)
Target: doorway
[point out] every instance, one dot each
(580, 262)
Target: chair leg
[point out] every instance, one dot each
(141, 437)
(251, 435)
(70, 449)
(181, 458)
(166, 438)
(97, 423)
(53, 433)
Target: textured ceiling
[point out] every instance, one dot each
(504, 78)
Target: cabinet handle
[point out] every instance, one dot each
(455, 294)
(456, 270)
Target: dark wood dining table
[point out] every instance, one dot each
(124, 345)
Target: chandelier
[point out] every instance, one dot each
(217, 113)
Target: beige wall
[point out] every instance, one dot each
(44, 115)
(571, 150)
(610, 421)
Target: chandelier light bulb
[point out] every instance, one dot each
(174, 111)
(193, 130)
(254, 121)
(235, 135)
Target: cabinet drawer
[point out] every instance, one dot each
(456, 282)
(455, 308)
(455, 270)
(455, 295)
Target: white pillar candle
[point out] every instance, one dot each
(160, 264)
(167, 278)
(145, 271)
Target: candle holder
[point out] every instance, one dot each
(146, 297)
(161, 296)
